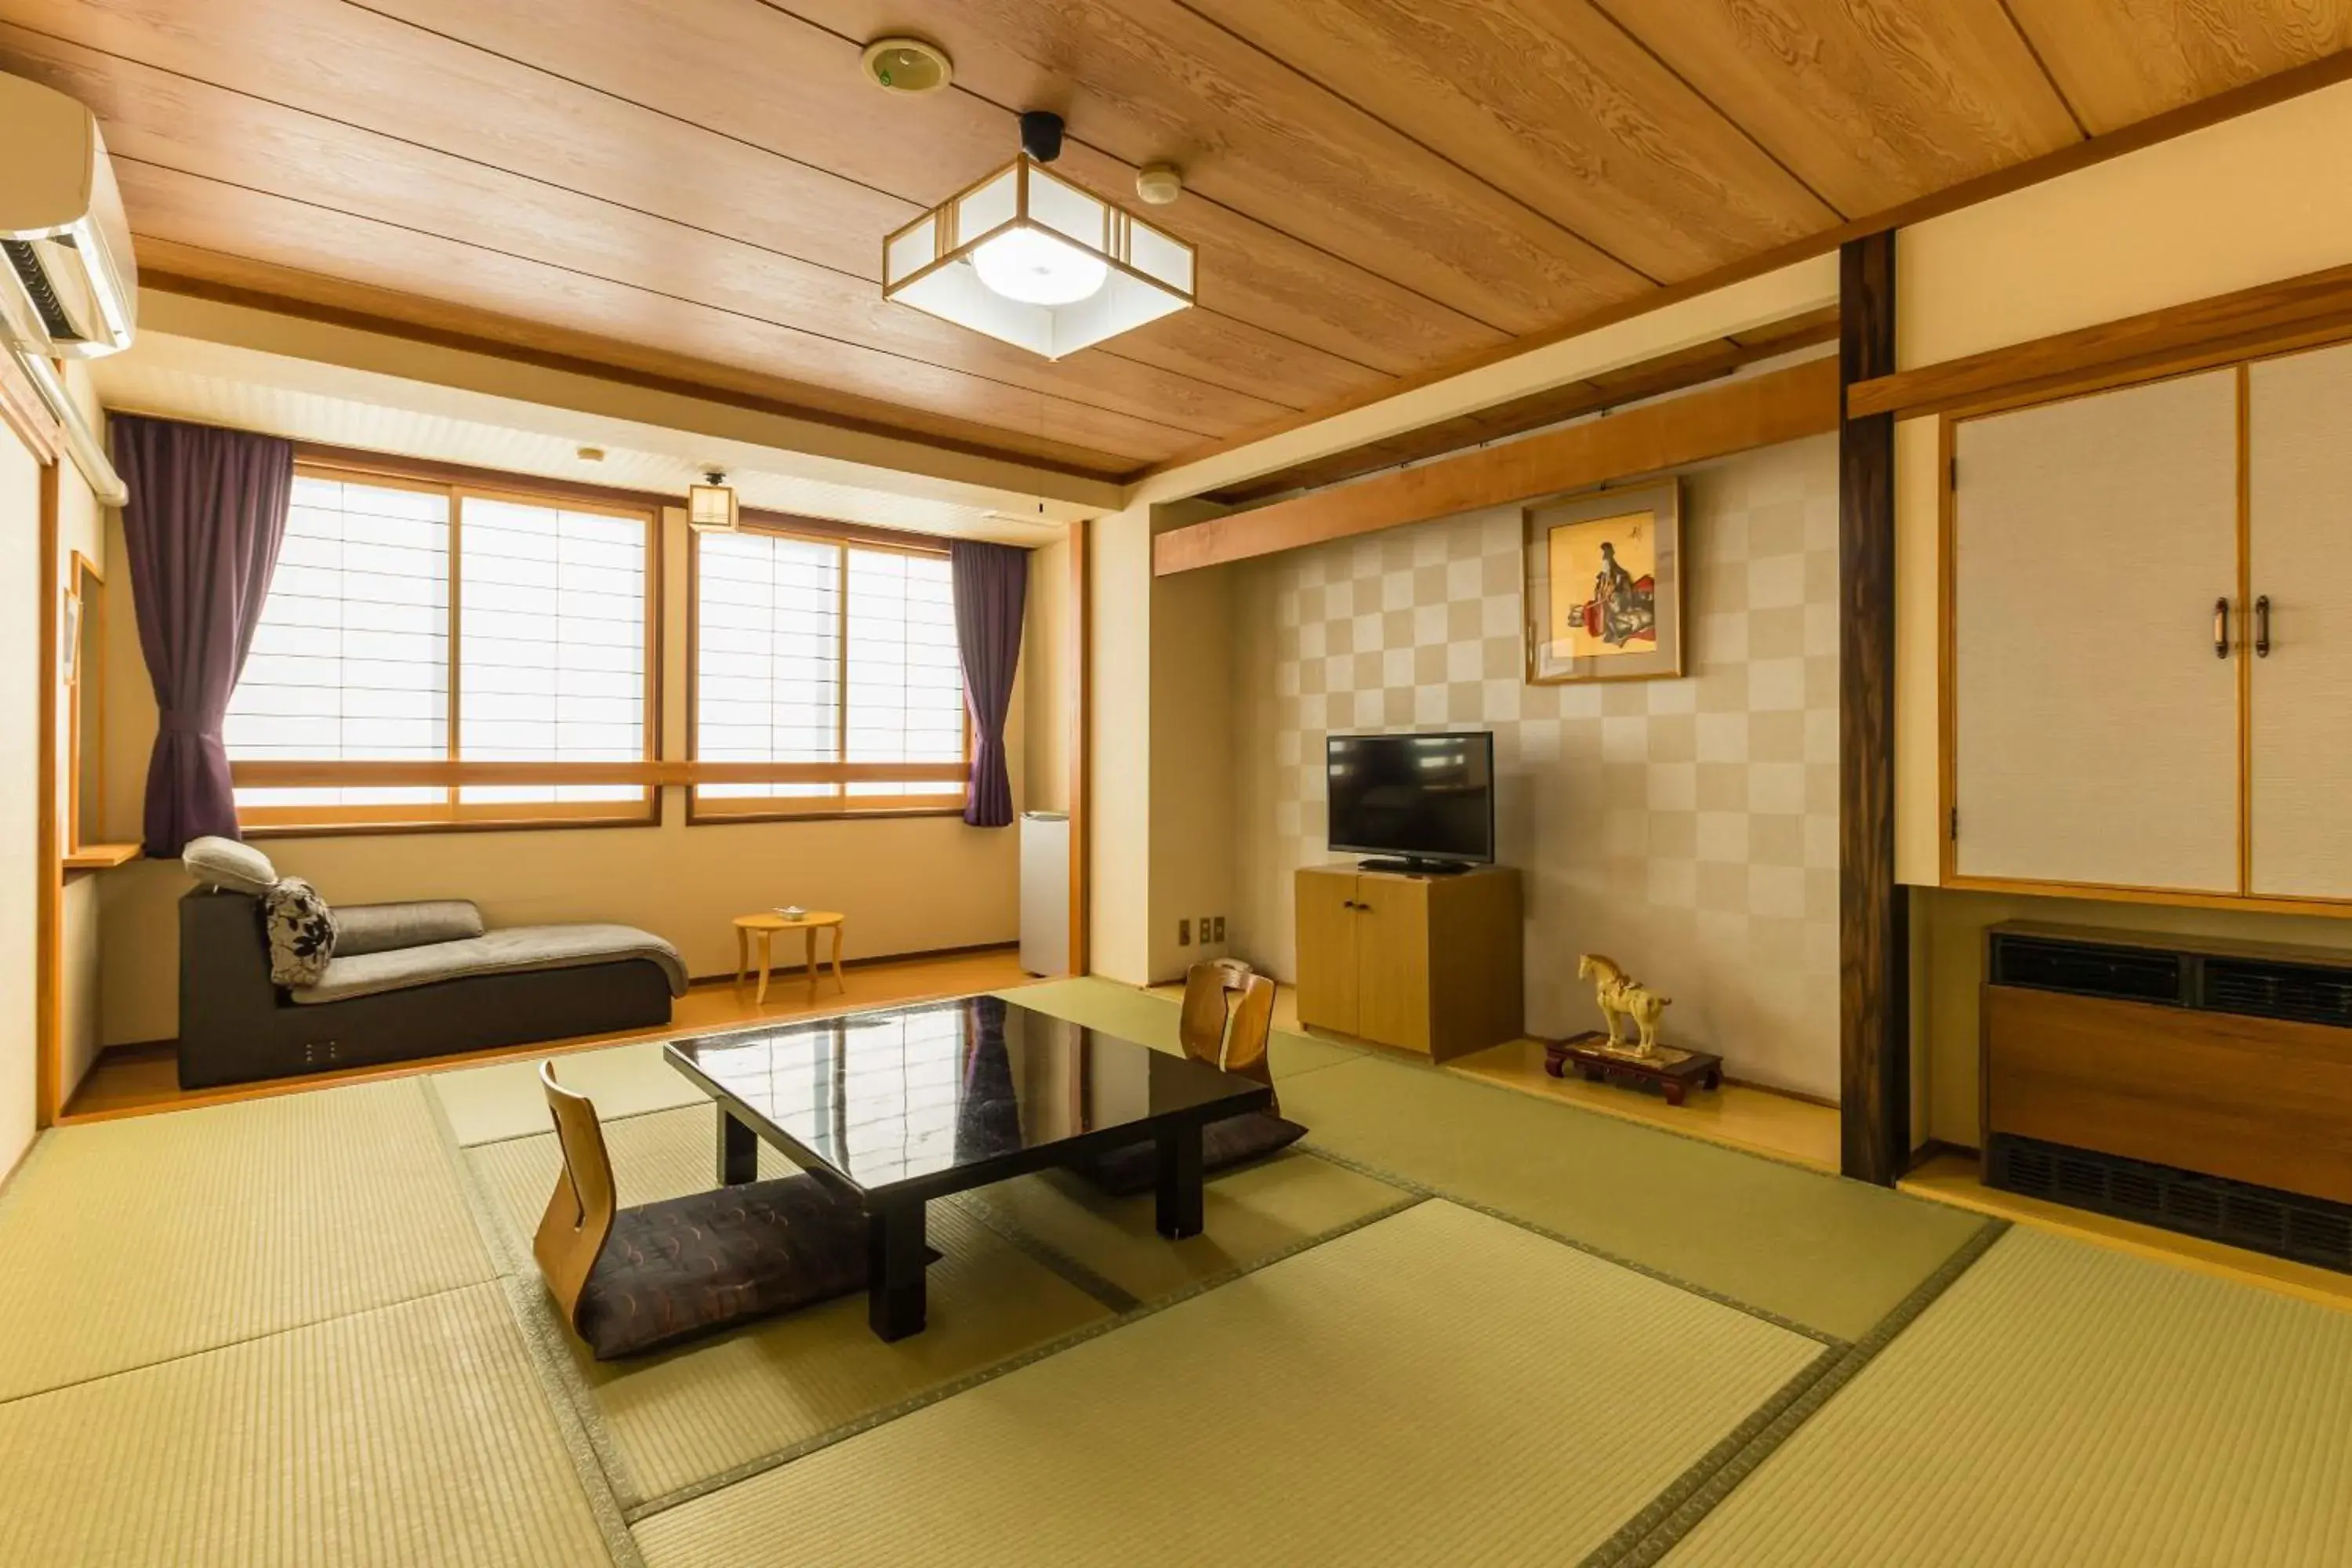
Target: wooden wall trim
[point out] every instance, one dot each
(48, 866)
(2296, 313)
(1761, 411)
(1081, 729)
(650, 773)
(1874, 930)
(1654, 377)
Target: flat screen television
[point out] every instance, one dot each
(1419, 802)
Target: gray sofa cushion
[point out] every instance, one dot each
(386, 928)
(301, 933)
(507, 950)
(224, 863)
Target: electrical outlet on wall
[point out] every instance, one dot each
(1217, 934)
(1202, 925)
(1183, 934)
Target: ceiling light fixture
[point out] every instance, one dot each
(1029, 258)
(710, 507)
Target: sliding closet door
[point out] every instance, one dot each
(2097, 736)
(2300, 492)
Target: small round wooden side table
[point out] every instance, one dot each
(765, 925)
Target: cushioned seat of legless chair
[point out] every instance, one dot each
(1217, 1030)
(636, 1279)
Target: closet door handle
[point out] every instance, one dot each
(2262, 627)
(2221, 628)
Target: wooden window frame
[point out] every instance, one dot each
(457, 485)
(844, 537)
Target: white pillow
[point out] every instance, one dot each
(226, 863)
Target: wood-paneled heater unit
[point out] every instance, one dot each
(2204, 1086)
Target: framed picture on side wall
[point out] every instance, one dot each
(1604, 586)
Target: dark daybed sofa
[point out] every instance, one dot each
(405, 981)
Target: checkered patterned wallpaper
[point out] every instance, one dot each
(1687, 828)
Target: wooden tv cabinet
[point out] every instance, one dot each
(1427, 964)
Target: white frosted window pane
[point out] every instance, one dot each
(351, 658)
(906, 685)
(554, 603)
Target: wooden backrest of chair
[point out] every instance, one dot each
(1208, 997)
(579, 1215)
(1217, 1029)
(1251, 1030)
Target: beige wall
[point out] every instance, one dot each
(1686, 827)
(907, 884)
(1118, 746)
(21, 584)
(2231, 207)
(1046, 668)
(1192, 796)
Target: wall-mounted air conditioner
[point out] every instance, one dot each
(72, 287)
(69, 283)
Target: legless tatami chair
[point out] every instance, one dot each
(1225, 1033)
(635, 1280)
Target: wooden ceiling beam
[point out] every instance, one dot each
(194, 274)
(1761, 411)
(1650, 378)
(2314, 308)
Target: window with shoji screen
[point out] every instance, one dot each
(550, 644)
(411, 621)
(834, 655)
(350, 660)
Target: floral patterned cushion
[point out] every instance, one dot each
(690, 1265)
(301, 932)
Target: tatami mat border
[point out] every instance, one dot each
(1115, 1297)
(1678, 1510)
(594, 1457)
(1764, 1314)
(1029, 1357)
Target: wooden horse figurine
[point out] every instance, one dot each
(1622, 996)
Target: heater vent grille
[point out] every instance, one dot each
(2285, 1225)
(2084, 969)
(2304, 995)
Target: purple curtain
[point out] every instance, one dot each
(992, 587)
(208, 510)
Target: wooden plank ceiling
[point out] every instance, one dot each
(1379, 188)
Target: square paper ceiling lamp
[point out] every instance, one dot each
(711, 507)
(1027, 257)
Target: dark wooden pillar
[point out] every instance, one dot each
(1874, 929)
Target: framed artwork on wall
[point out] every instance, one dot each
(1604, 599)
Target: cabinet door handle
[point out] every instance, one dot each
(2221, 628)
(2262, 627)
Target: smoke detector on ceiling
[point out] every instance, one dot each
(1159, 183)
(907, 65)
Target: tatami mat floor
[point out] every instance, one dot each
(1457, 1325)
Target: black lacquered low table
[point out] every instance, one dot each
(896, 1107)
